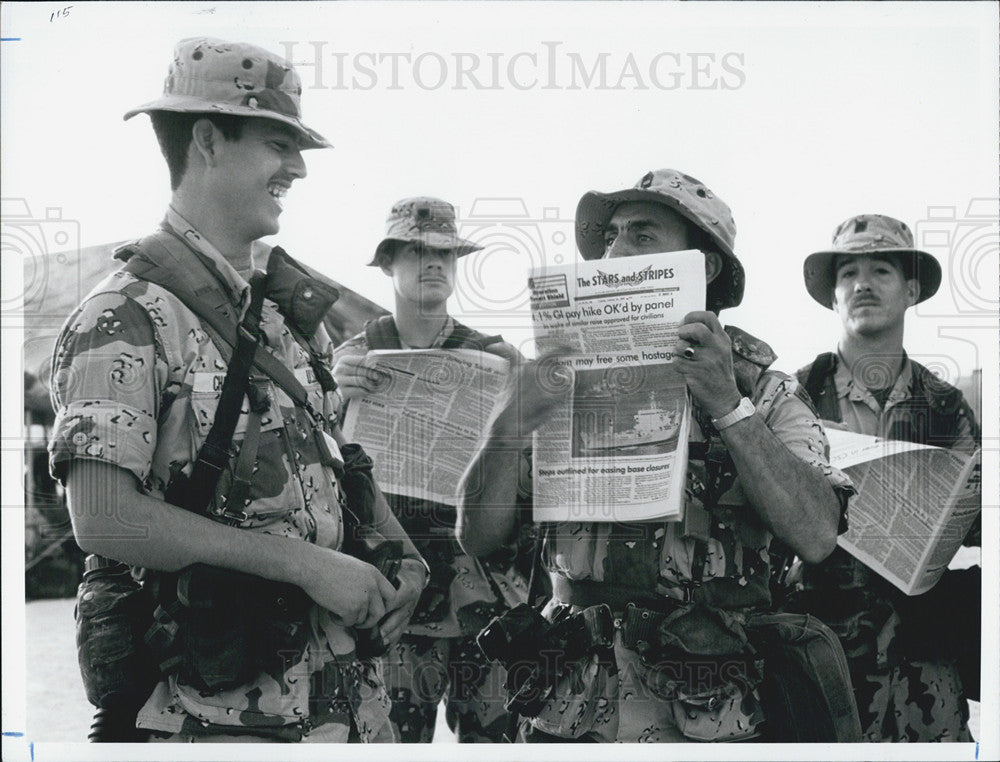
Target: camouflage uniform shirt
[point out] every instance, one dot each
(602, 702)
(136, 381)
(899, 697)
(473, 598)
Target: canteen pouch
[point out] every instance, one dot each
(699, 661)
(806, 687)
(219, 628)
(112, 611)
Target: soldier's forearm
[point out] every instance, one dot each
(390, 528)
(111, 517)
(792, 497)
(487, 508)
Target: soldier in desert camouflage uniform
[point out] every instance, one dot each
(757, 468)
(437, 656)
(908, 687)
(136, 383)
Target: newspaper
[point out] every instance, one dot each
(616, 450)
(423, 422)
(915, 505)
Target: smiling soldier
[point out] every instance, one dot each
(194, 436)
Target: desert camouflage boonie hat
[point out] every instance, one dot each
(209, 75)
(691, 199)
(870, 235)
(422, 219)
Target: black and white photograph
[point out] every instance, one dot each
(215, 213)
(630, 410)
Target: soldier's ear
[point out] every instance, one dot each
(204, 140)
(913, 290)
(713, 265)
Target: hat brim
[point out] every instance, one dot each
(193, 105)
(595, 210)
(820, 277)
(434, 239)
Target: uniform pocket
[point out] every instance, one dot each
(206, 387)
(726, 713)
(578, 693)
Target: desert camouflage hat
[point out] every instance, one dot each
(214, 76)
(869, 235)
(691, 199)
(424, 219)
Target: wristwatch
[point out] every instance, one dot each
(744, 410)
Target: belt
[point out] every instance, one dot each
(585, 593)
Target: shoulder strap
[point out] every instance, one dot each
(196, 492)
(381, 333)
(818, 383)
(206, 298)
(936, 409)
(463, 337)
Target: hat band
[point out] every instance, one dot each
(872, 245)
(220, 91)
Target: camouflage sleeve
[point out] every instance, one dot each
(789, 414)
(105, 387)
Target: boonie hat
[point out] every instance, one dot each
(691, 199)
(869, 235)
(209, 75)
(424, 219)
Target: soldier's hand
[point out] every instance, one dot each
(411, 585)
(355, 377)
(704, 356)
(540, 386)
(355, 592)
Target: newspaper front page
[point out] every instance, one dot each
(422, 423)
(616, 450)
(915, 505)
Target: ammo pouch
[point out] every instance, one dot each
(431, 528)
(361, 537)
(806, 688)
(695, 653)
(535, 652)
(112, 612)
(698, 660)
(435, 600)
(217, 628)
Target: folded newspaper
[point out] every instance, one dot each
(915, 505)
(422, 424)
(616, 450)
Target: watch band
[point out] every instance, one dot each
(744, 410)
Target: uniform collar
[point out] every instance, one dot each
(856, 391)
(235, 283)
(446, 331)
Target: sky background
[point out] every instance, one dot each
(818, 112)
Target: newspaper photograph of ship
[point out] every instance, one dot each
(631, 410)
